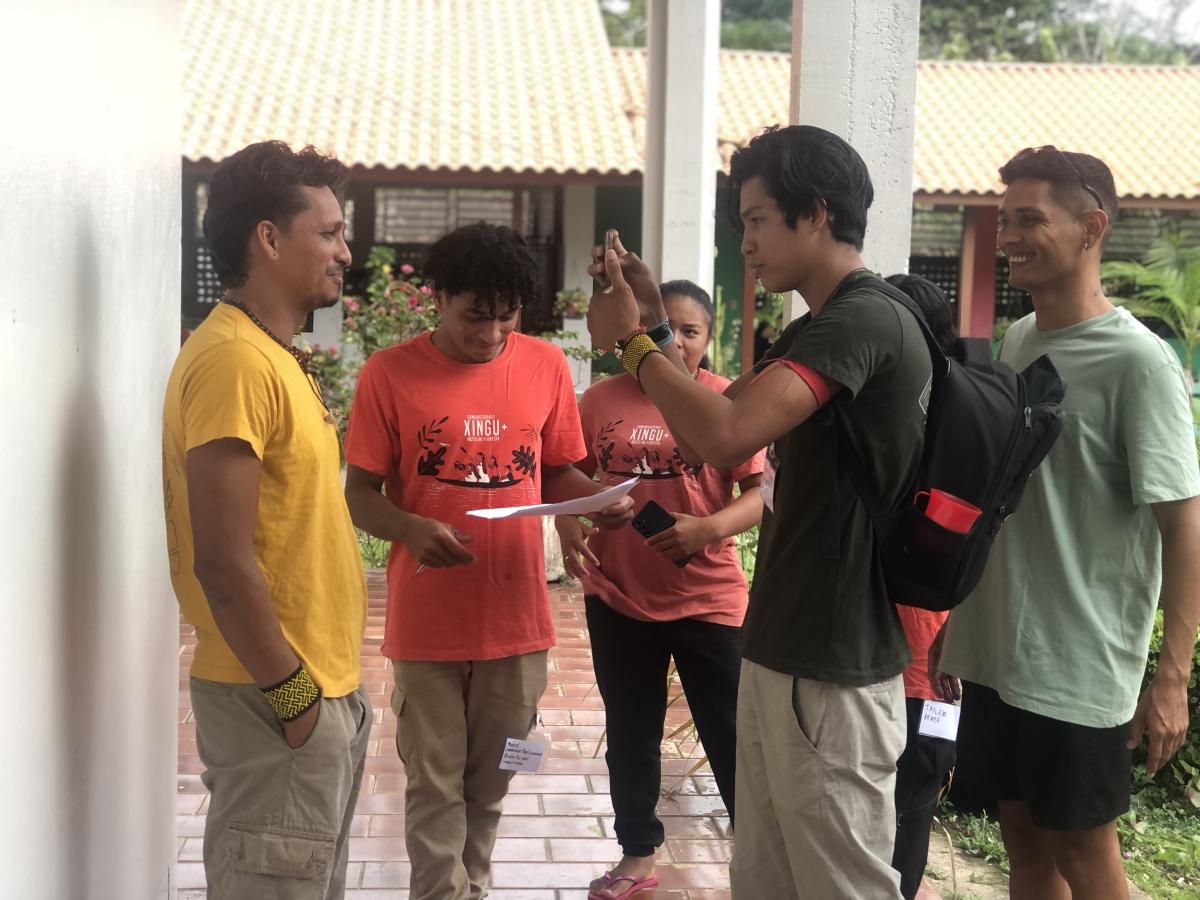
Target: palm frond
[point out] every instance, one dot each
(1165, 287)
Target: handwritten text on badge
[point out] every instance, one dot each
(939, 720)
(524, 756)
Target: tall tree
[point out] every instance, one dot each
(757, 24)
(1054, 31)
(1024, 30)
(984, 29)
(625, 22)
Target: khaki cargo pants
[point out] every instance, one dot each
(816, 780)
(453, 720)
(278, 819)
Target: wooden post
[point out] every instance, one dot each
(983, 291)
(966, 271)
(977, 273)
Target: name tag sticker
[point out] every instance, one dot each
(525, 756)
(939, 720)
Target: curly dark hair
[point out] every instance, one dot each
(1067, 173)
(491, 261)
(802, 167)
(261, 182)
(932, 301)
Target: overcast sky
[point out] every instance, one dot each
(1189, 25)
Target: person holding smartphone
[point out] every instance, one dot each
(679, 593)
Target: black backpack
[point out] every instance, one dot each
(987, 429)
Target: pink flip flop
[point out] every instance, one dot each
(634, 886)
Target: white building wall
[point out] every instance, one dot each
(327, 328)
(89, 325)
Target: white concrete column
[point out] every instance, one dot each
(679, 188)
(854, 72)
(579, 235)
(89, 326)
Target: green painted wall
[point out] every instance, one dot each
(620, 208)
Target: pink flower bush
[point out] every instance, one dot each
(375, 319)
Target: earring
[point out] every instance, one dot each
(1087, 245)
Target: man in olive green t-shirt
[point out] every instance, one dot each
(821, 716)
(1053, 643)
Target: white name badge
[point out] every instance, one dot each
(767, 486)
(525, 756)
(939, 720)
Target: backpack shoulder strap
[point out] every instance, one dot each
(894, 293)
(846, 456)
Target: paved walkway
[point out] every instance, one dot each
(557, 831)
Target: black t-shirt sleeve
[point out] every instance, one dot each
(851, 340)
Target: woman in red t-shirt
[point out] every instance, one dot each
(643, 609)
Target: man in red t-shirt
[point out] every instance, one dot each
(471, 415)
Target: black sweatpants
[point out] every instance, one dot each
(631, 659)
(920, 773)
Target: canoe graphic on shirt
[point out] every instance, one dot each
(650, 461)
(490, 469)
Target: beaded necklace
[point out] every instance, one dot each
(301, 358)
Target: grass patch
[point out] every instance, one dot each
(975, 835)
(1159, 840)
(1161, 845)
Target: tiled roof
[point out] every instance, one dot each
(752, 92)
(440, 84)
(531, 85)
(1144, 121)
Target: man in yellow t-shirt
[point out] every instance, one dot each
(262, 551)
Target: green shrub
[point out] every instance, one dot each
(397, 306)
(373, 550)
(747, 548)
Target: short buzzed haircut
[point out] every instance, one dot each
(1067, 173)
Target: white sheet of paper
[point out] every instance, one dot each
(525, 756)
(580, 507)
(939, 720)
(767, 486)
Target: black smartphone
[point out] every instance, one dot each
(651, 520)
(610, 236)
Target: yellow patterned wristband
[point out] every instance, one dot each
(294, 696)
(635, 350)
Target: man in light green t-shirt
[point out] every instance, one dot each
(1053, 644)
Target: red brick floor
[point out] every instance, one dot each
(557, 830)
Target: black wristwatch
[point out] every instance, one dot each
(661, 333)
